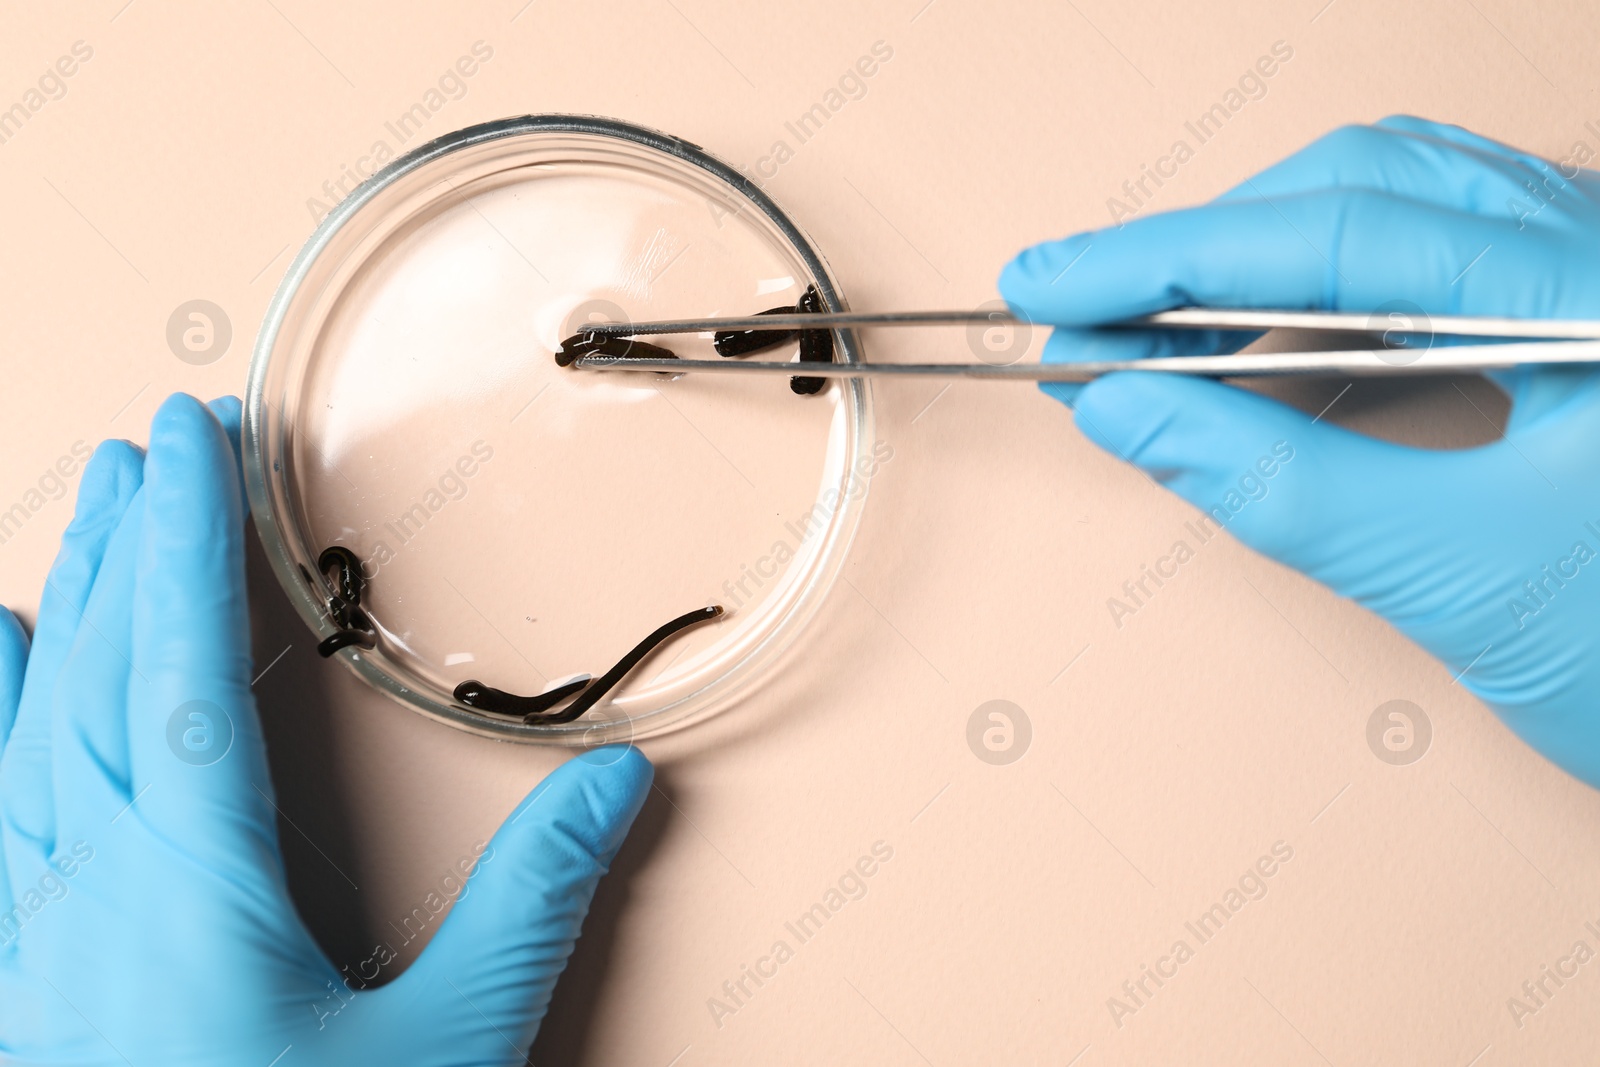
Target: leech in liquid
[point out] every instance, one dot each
(344, 603)
(474, 694)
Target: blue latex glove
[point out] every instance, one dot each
(155, 923)
(1485, 557)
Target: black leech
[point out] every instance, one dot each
(587, 343)
(732, 343)
(475, 694)
(344, 639)
(608, 681)
(816, 346)
(349, 583)
(482, 697)
(344, 603)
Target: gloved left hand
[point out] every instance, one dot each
(144, 915)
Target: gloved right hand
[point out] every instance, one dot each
(1489, 557)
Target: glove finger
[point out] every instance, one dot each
(1343, 509)
(499, 952)
(89, 726)
(13, 662)
(13, 665)
(1068, 345)
(27, 810)
(194, 737)
(1537, 392)
(1407, 163)
(1296, 490)
(230, 414)
(1537, 167)
(1332, 249)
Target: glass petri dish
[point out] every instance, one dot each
(517, 523)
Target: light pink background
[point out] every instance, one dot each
(1227, 715)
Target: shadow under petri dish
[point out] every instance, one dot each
(519, 523)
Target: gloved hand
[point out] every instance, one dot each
(1486, 557)
(144, 916)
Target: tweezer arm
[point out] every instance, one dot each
(1457, 359)
(1180, 318)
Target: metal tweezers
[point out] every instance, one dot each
(1524, 342)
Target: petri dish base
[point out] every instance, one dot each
(516, 523)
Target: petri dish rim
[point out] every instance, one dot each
(269, 493)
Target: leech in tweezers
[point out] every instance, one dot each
(585, 343)
(731, 344)
(475, 694)
(816, 346)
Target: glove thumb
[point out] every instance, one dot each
(499, 952)
(1291, 487)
